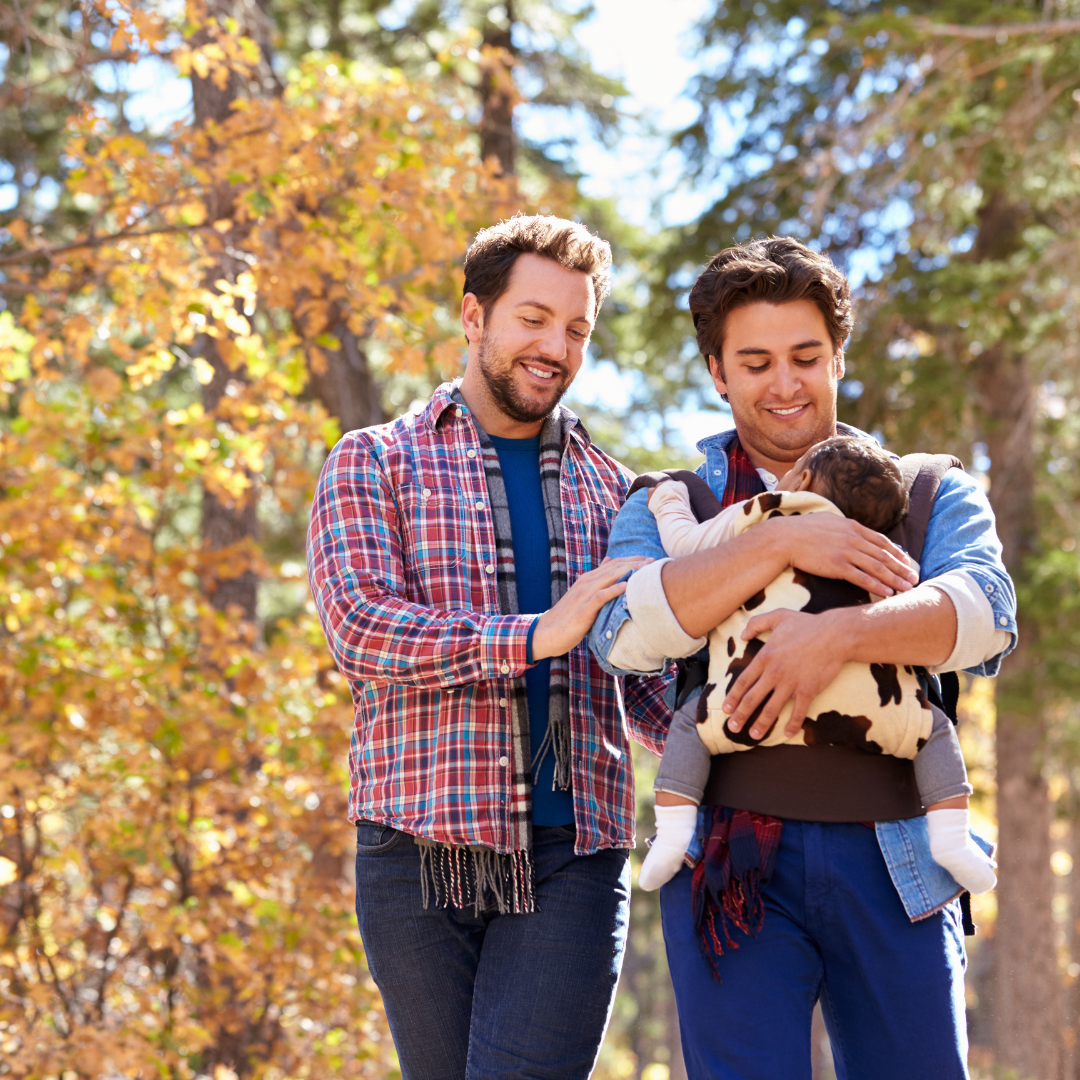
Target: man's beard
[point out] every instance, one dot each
(499, 373)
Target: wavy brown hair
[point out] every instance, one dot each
(493, 252)
(776, 270)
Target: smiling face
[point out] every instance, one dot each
(780, 373)
(525, 352)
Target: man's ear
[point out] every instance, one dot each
(472, 318)
(839, 361)
(716, 370)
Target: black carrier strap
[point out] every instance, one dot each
(702, 500)
(692, 672)
(923, 474)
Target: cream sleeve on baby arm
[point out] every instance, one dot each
(680, 532)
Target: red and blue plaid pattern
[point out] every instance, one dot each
(743, 481)
(401, 559)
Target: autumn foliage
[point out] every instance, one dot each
(174, 853)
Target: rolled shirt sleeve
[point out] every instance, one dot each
(961, 538)
(978, 639)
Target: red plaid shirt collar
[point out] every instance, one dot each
(743, 481)
(442, 401)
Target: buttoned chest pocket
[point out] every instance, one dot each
(438, 535)
(588, 548)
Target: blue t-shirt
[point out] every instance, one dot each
(519, 460)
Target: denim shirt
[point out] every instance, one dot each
(960, 536)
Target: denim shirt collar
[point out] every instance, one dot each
(717, 447)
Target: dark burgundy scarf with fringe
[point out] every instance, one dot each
(739, 856)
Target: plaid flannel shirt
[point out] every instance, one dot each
(401, 559)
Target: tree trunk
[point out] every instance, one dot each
(497, 94)
(225, 522)
(345, 385)
(1028, 1001)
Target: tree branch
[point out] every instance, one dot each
(96, 241)
(1063, 26)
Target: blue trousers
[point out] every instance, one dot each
(495, 996)
(891, 991)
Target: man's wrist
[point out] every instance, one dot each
(776, 536)
(844, 629)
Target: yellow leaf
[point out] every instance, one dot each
(8, 871)
(203, 371)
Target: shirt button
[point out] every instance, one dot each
(480, 506)
(470, 453)
(458, 412)
(489, 569)
(716, 472)
(1003, 621)
(768, 478)
(505, 669)
(608, 635)
(502, 703)
(989, 588)
(427, 493)
(504, 761)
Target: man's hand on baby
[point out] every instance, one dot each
(837, 547)
(797, 662)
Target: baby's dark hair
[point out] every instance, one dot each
(862, 480)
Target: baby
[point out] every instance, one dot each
(858, 479)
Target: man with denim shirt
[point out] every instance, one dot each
(456, 557)
(861, 918)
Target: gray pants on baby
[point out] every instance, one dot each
(684, 769)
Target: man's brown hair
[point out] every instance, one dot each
(776, 270)
(861, 479)
(493, 252)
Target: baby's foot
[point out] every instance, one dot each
(675, 827)
(952, 847)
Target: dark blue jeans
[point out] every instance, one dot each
(892, 991)
(495, 996)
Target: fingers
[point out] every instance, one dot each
(741, 699)
(618, 567)
(890, 558)
(800, 703)
(765, 624)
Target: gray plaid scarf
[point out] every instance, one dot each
(476, 876)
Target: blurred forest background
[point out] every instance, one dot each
(193, 312)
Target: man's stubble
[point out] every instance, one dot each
(498, 377)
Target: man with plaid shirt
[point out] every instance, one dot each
(816, 881)
(456, 557)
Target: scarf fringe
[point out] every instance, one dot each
(739, 856)
(557, 737)
(476, 877)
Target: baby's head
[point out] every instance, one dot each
(858, 476)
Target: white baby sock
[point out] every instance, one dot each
(952, 847)
(675, 827)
